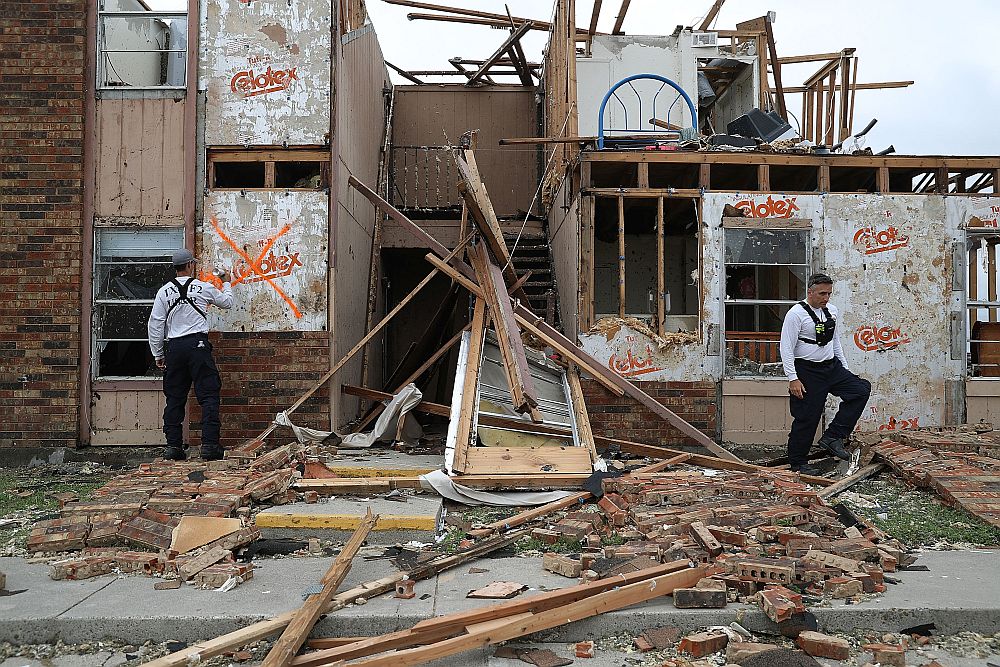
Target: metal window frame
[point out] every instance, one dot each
(726, 301)
(971, 236)
(98, 303)
(99, 70)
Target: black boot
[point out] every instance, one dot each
(212, 454)
(806, 469)
(835, 446)
(175, 453)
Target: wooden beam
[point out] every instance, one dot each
(515, 141)
(779, 90)
(620, 19)
(305, 618)
(850, 480)
(621, 257)
(661, 289)
(882, 85)
(545, 26)
(524, 396)
(403, 73)
(594, 16)
(710, 16)
(508, 43)
(470, 389)
(518, 625)
(824, 70)
(584, 432)
(811, 58)
(925, 162)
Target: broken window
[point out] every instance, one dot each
(765, 274)
(982, 299)
(140, 47)
(646, 250)
(130, 265)
(268, 169)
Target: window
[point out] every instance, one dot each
(765, 275)
(139, 47)
(130, 265)
(982, 298)
(269, 169)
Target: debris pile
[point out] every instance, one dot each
(766, 533)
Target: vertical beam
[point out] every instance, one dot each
(882, 179)
(594, 16)
(779, 90)
(470, 389)
(763, 177)
(705, 176)
(854, 93)
(661, 306)
(710, 16)
(830, 113)
(621, 256)
(845, 97)
(583, 430)
(818, 112)
(973, 285)
(643, 174)
(760, 42)
(991, 277)
(941, 179)
(269, 174)
(823, 178)
(585, 297)
(620, 19)
(807, 115)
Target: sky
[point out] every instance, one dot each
(950, 54)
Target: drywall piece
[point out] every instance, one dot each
(197, 531)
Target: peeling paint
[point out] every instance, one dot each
(266, 67)
(275, 245)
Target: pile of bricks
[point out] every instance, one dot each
(128, 525)
(969, 481)
(764, 532)
(967, 439)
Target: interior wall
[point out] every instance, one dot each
(564, 238)
(360, 127)
(739, 98)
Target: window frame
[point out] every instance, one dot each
(100, 68)
(974, 305)
(269, 156)
(768, 224)
(97, 303)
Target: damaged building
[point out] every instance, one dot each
(645, 185)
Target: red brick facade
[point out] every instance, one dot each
(42, 58)
(263, 374)
(625, 418)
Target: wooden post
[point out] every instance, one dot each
(661, 295)
(845, 98)
(779, 90)
(763, 177)
(583, 431)
(829, 113)
(991, 277)
(621, 256)
(882, 179)
(705, 176)
(643, 174)
(823, 179)
(466, 417)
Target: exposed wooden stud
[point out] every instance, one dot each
(851, 480)
(470, 389)
(829, 113)
(845, 99)
(632, 193)
(269, 175)
(508, 43)
(705, 176)
(881, 85)
(927, 162)
(298, 629)
(763, 177)
(620, 19)
(942, 180)
(594, 16)
(584, 433)
(643, 174)
(403, 73)
(882, 179)
(854, 93)
(779, 91)
(621, 257)
(661, 290)
(823, 178)
(811, 58)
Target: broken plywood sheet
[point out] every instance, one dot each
(279, 286)
(498, 590)
(196, 531)
(893, 256)
(266, 67)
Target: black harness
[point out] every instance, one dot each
(182, 289)
(824, 330)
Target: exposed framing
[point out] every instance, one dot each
(269, 156)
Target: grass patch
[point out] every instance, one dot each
(917, 517)
(563, 546)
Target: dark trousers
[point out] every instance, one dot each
(189, 360)
(820, 380)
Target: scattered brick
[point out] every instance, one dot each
(217, 575)
(149, 529)
(824, 646)
(545, 536)
(842, 587)
(67, 534)
(888, 655)
(202, 561)
(699, 598)
(737, 652)
(585, 649)
(663, 637)
(780, 604)
(167, 584)
(562, 565)
(643, 644)
(404, 589)
(703, 643)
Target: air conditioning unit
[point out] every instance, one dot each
(705, 39)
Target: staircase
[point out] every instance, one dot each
(533, 254)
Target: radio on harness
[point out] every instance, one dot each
(824, 329)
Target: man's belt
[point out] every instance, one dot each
(816, 364)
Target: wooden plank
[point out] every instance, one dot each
(763, 177)
(526, 460)
(508, 43)
(524, 396)
(991, 278)
(845, 98)
(268, 155)
(850, 480)
(470, 389)
(710, 16)
(305, 617)
(882, 179)
(174, 153)
(650, 193)
(585, 434)
(585, 300)
(810, 58)
(620, 19)
(766, 223)
(130, 197)
(880, 85)
(435, 629)
(621, 257)
(593, 605)
(594, 16)
(150, 162)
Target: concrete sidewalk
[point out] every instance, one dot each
(960, 592)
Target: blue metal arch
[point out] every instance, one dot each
(628, 79)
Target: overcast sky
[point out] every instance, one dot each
(948, 50)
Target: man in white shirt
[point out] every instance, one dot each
(178, 339)
(815, 366)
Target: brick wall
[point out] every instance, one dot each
(625, 418)
(42, 51)
(263, 374)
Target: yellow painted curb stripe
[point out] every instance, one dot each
(345, 471)
(345, 521)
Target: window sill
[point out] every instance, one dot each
(127, 384)
(118, 94)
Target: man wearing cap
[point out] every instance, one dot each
(178, 339)
(815, 365)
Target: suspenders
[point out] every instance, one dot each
(182, 288)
